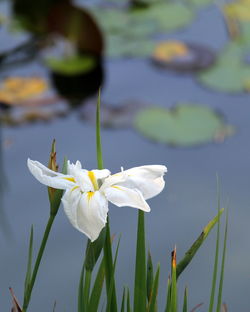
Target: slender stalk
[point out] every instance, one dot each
(216, 257)
(98, 134)
(107, 248)
(38, 261)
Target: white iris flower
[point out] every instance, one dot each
(88, 192)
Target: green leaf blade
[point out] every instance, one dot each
(197, 244)
(140, 287)
(153, 299)
(150, 276)
(29, 265)
(97, 288)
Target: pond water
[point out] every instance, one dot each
(178, 213)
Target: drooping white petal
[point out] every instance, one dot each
(87, 212)
(49, 177)
(70, 200)
(147, 179)
(123, 196)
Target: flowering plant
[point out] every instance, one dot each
(85, 202)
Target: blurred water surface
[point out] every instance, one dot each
(178, 213)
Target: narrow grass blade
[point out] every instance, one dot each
(86, 288)
(80, 292)
(93, 250)
(168, 303)
(219, 300)
(128, 301)
(185, 305)
(197, 244)
(109, 268)
(216, 257)
(173, 284)
(140, 287)
(111, 308)
(123, 300)
(98, 133)
(150, 276)
(97, 289)
(153, 299)
(29, 265)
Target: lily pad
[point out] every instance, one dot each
(239, 10)
(182, 56)
(167, 16)
(71, 66)
(132, 25)
(200, 3)
(230, 73)
(184, 125)
(120, 46)
(17, 90)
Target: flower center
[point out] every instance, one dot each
(93, 180)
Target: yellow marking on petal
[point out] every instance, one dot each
(74, 188)
(90, 195)
(93, 180)
(70, 179)
(117, 187)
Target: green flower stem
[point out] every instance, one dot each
(38, 261)
(107, 248)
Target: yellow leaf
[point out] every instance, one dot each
(15, 90)
(169, 50)
(239, 10)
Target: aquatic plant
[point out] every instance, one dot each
(144, 182)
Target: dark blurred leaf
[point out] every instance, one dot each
(76, 24)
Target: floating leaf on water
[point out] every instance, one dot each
(167, 16)
(199, 3)
(169, 50)
(247, 85)
(71, 66)
(129, 31)
(15, 90)
(182, 56)
(239, 10)
(122, 47)
(230, 73)
(184, 125)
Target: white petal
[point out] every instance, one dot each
(70, 200)
(83, 180)
(49, 177)
(72, 167)
(114, 179)
(147, 179)
(101, 174)
(86, 212)
(122, 196)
